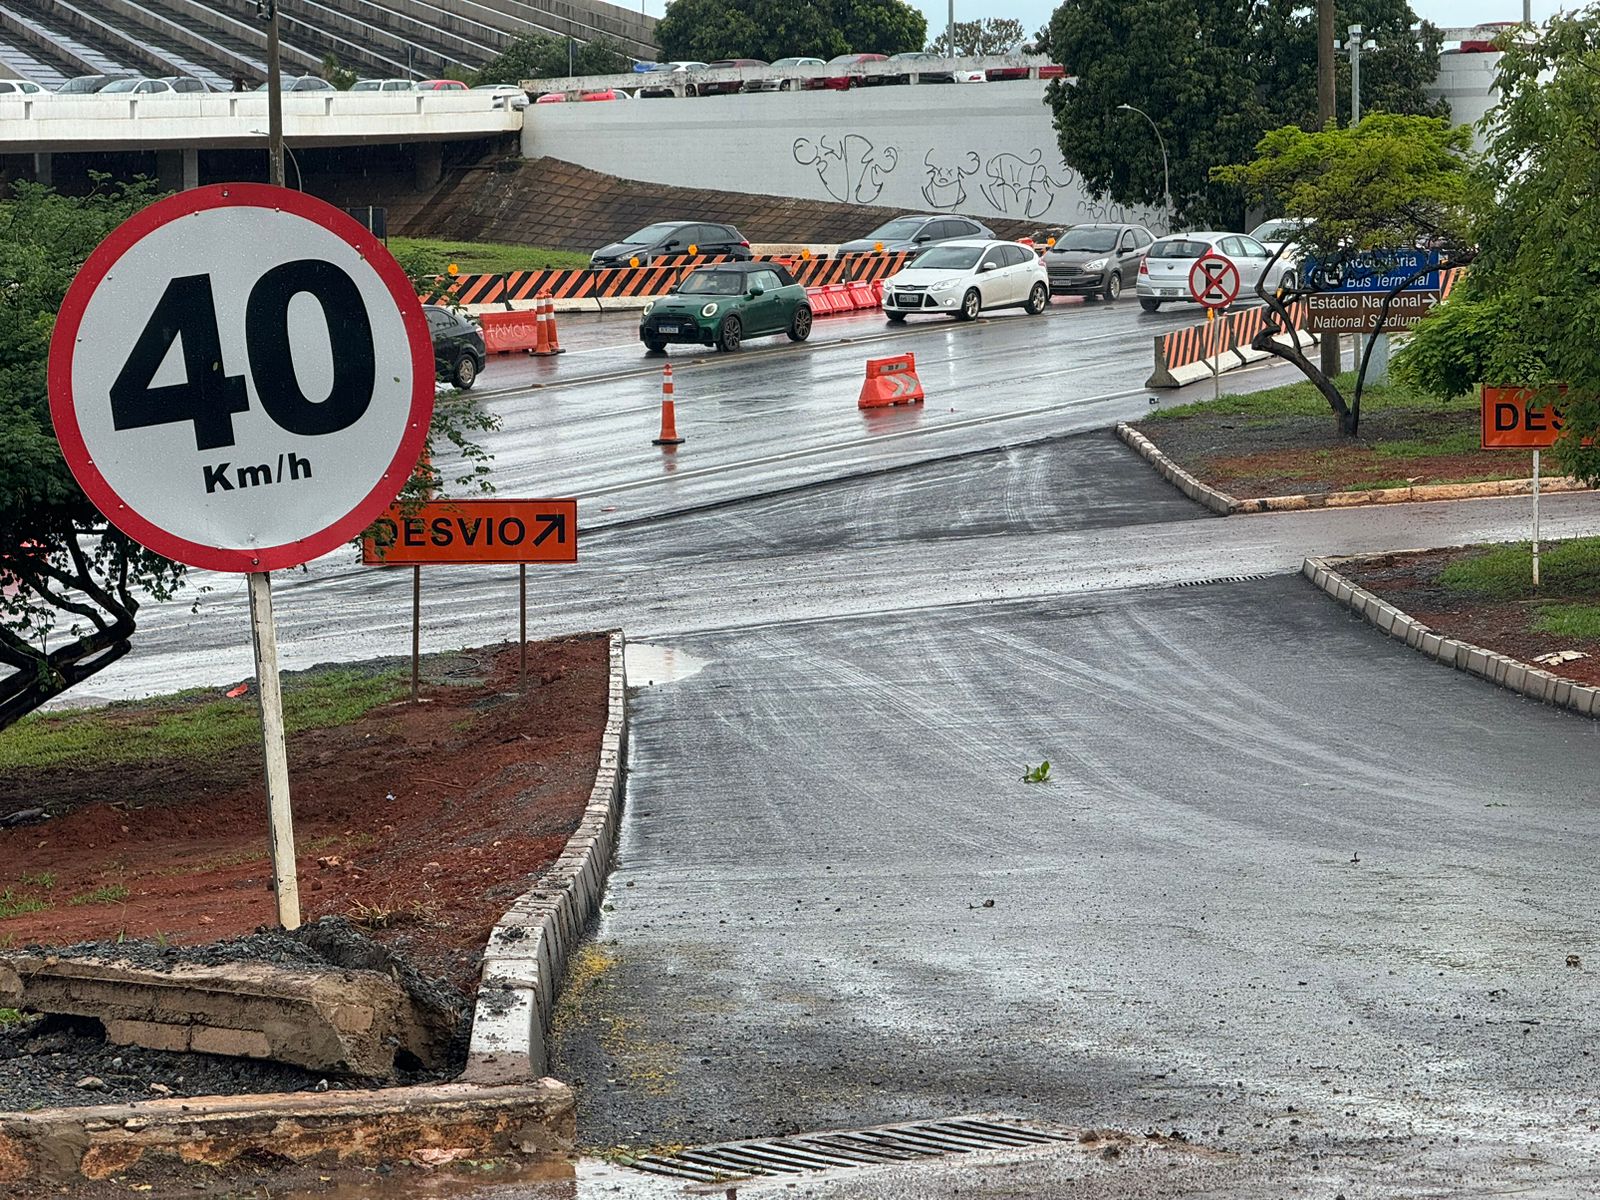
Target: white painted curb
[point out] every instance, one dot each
(1507, 672)
(526, 957)
(1200, 493)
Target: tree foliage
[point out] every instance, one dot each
(989, 35)
(704, 30)
(71, 585)
(544, 56)
(1526, 313)
(1215, 75)
(1390, 182)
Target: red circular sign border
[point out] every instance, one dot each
(63, 413)
(1238, 280)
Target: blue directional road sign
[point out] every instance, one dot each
(1381, 271)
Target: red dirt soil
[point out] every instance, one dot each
(1410, 582)
(420, 822)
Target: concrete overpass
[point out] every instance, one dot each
(179, 129)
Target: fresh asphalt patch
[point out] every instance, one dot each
(1079, 482)
(1290, 888)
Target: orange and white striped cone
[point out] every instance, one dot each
(552, 336)
(669, 412)
(541, 337)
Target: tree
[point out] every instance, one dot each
(544, 56)
(1525, 314)
(705, 30)
(991, 35)
(341, 77)
(1390, 182)
(71, 585)
(1215, 75)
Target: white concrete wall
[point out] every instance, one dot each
(982, 150)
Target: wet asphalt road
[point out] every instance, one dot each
(887, 629)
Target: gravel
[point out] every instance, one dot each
(53, 1061)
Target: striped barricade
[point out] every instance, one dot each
(1189, 355)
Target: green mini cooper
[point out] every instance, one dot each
(722, 305)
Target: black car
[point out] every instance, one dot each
(1096, 260)
(667, 238)
(458, 350)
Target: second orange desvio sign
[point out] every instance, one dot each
(1510, 424)
(474, 531)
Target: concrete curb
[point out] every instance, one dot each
(1221, 502)
(526, 957)
(1422, 493)
(1532, 682)
(1200, 493)
(61, 1145)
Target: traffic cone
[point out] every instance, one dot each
(553, 337)
(669, 413)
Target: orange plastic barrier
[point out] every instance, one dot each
(891, 381)
(821, 300)
(861, 295)
(510, 332)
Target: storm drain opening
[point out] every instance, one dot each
(803, 1153)
(1193, 583)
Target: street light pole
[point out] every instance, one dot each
(1355, 74)
(1166, 176)
(950, 30)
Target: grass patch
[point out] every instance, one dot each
(13, 905)
(9, 1016)
(44, 880)
(191, 725)
(1303, 400)
(1568, 620)
(434, 255)
(1569, 568)
(112, 893)
(1456, 441)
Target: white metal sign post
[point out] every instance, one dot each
(241, 379)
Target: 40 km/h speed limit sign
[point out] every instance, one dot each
(241, 378)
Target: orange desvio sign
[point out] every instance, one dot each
(474, 531)
(1509, 424)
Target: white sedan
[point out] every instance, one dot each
(964, 278)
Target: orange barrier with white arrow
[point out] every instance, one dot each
(891, 381)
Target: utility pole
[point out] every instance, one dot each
(268, 11)
(950, 30)
(1327, 103)
(1355, 74)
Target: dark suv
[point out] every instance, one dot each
(1096, 260)
(459, 355)
(667, 238)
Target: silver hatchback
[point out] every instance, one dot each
(1164, 273)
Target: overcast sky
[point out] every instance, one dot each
(1034, 13)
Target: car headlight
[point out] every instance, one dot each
(648, 306)
(709, 310)
(1098, 264)
(944, 285)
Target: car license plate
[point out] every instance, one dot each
(1169, 291)
(666, 329)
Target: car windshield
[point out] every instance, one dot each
(82, 86)
(650, 234)
(1277, 231)
(951, 257)
(366, 85)
(1086, 239)
(713, 283)
(905, 227)
(1179, 249)
(121, 85)
(842, 58)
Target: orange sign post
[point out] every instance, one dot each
(441, 532)
(1510, 424)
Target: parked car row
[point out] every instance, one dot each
(141, 85)
(913, 60)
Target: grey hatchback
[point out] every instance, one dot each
(1096, 260)
(915, 232)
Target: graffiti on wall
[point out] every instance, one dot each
(1030, 186)
(851, 169)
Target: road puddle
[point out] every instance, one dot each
(649, 665)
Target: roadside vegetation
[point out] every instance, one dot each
(190, 725)
(429, 256)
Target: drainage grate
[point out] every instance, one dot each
(849, 1148)
(1222, 579)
